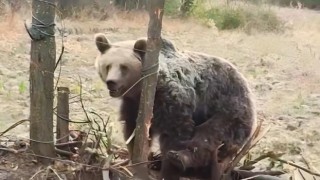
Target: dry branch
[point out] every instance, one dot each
(13, 126)
(274, 157)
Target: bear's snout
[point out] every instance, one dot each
(112, 85)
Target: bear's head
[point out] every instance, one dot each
(119, 65)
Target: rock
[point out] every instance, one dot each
(4, 71)
(301, 117)
(310, 144)
(283, 117)
(275, 82)
(291, 127)
(317, 113)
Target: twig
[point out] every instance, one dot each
(9, 150)
(58, 62)
(256, 136)
(131, 137)
(262, 176)
(126, 170)
(38, 172)
(301, 175)
(84, 110)
(141, 163)
(14, 150)
(55, 173)
(63, 152)
(60, 57)
(99, 128)
(274, 157)
(65, 161)
(65, 119)
(258, 159)
(308, 164)
(115, 169)
(74, 143)
(88, 119)
(13, 126)
(121, 163)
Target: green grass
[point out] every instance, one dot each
(1, 85)
(299, 105)
(22, 87)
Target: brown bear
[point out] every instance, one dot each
(201, 101)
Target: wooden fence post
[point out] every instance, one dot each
(43, 55)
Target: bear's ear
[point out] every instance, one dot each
(140, 47)
(102, 42)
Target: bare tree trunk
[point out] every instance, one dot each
(43, 54)
(141, 143)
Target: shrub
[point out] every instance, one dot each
(244, 17)
(312, 4)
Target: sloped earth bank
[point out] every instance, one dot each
(282, 69)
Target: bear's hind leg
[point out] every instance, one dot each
(170, 171)
(208, 137)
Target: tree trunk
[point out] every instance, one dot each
(141, 142)
(43, 54)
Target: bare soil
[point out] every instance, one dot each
(282, 69)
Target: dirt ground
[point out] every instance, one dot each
(282, 69)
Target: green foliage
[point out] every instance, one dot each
(186, 6)
(247, 18)
(172, 7)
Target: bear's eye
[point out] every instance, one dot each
(107, 68)
(124, 68)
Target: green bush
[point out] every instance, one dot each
(225, 18)
(313, 4)
(247, 18)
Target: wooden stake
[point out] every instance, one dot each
(62, 128)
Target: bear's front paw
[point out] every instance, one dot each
(180, 159)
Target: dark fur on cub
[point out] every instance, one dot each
(200, 101)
